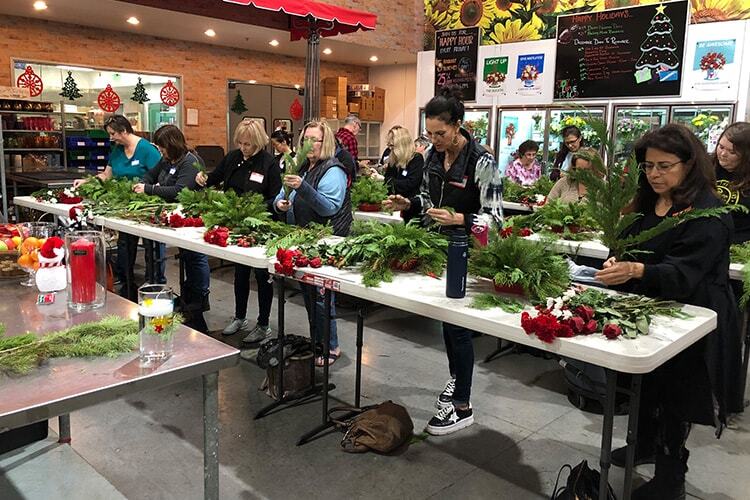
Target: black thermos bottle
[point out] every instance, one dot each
(458, 256)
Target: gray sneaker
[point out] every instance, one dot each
(257, 334)
(235, 326)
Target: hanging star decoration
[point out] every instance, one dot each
(660, 8)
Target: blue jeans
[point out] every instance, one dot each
(316, 317)
(460, 350)
(197, 279)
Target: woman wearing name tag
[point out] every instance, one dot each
(403, 166)
(131, 157)
(176, 171)
(248, 169)
(686, 264)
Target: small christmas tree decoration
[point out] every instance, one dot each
(70, 88)
(238, 106)
(169, 94)
(108, 100)
(658, 49)
(30, 80)
(139, 94)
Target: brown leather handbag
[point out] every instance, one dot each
(381, 428)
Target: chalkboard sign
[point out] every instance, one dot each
(628, 52)
(456, 60)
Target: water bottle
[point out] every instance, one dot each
(458, 257)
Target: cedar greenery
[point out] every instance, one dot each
(557, 215)
(517, 193)
(287, 236)
(292, 165)
(110, 337)
(532, 265)
(484, 301)
(378, 248)
(368, 190)
(115, 198)
(246, 213)
(740, 254)
(609, 196)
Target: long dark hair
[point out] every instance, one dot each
(680, 141)
(566, 131)
(172, 141)
(447, 106)
(738, 134)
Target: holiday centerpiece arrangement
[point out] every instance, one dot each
(367, 194)
(555, 218)
(532, 195)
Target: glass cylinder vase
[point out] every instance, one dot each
(157, 322)
(87, 270)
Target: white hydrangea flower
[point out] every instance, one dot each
(550, 302)
(556, 312)
(53, 200)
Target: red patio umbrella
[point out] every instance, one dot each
(312, 20)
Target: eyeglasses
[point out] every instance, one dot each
(662, 168)
(570, 143)
(312, 139)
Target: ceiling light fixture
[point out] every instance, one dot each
(273, 43)
(374, 58)
(297, 86)
(133, 20)
(327, 51)
(252, 81)
(209, 32)
(39, 5)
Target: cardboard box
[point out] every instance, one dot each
(379, 94)
(328, 107)
(13, 92)
(336, 87)
(353, 108)
(357, 87)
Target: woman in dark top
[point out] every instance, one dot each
(403, 168)
(732, 164)
(176, 171)
(572, 142)
(249, 168)
(698, 385)
(459, 174)
(281, 142)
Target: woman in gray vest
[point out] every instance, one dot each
(320, 193)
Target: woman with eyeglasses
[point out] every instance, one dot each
(732, 164)
(319, 194)
(176, 171)
(130, 157)
(686, 264)
(572, 142)
(248, 169)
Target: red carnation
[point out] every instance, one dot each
(585, 312)
(302, 261)
(316, 262)
(591, 327)
(612, 331)
(577, 324)
(525, 232)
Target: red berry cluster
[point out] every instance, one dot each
(510, 230)
(218, 235)
(287, 260)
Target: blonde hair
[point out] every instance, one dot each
(403, 147)
(252, 130)
(327, 146)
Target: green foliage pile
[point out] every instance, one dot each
(115, 198)
(740, 254)
(532, 265)
(517, 193)
(368, 190)
(111, 337)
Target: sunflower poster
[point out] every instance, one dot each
(494, 76)
(504, 21)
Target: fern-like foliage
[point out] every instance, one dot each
(532, 265)
(247, 213)
(286, 236)
(292, 165)
(740, 254)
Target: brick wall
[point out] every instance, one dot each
(400, 23)
(204, 68)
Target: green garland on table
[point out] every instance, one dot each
(484, 301)
(740, 254)
(532, 265)
(115, 198)
(110, 337)
(286, 236)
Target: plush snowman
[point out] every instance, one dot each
(52, 274)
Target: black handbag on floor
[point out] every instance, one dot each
(582, 484)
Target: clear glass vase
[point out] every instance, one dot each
(32, 236)
(157, 323)
(87, 270)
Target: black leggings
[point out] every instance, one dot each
(242, 292)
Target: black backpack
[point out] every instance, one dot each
(268, 352)
(582, 484)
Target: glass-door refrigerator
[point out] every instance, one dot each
(707, 122)
(559, 118)
(631, 122)
(516, 126)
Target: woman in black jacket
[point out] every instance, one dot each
(698, 385)
(249, 168)
(176, 171)
(461, 175)
(732, 165)
(572, 141)
(403, 171)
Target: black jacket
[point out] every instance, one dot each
(681, 265)
(458, 188)
(167, 179)
(258, 174)
(731, 196)
(405, 181)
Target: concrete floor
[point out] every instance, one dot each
(149, 446)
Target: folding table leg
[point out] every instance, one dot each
(358, 366)
(634, 408)
(605, 458)
(63, 424)
(211, 436)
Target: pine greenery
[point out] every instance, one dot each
(368, 190)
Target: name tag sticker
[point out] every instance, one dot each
(135, 162)
(460, 185)
(172, 171)
(403, 173)
(257, 177)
